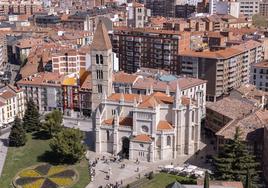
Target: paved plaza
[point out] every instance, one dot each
(130, 173)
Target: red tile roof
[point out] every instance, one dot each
(123, 121)
(164, 125)
(7, 94)
(142, 138)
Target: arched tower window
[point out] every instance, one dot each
(101, 74)
(97, 59)
(101, 59)
(168, 141)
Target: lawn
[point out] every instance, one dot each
(161, 180)
(33, 153)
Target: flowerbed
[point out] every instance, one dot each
(44, 176)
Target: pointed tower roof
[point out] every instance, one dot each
(101, 40)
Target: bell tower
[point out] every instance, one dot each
(101, 65)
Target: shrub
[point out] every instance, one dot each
(151, 175)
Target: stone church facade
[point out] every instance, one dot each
(149, 127)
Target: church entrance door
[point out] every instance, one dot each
(125, 147)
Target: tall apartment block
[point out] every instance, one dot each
(70, 62)
(21, 7)
(259, 75)
(149, 48)
(264, 8)
(164, 8)
(3, 51)
(249, 7)
(224, 69)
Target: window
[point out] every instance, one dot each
(141, 145)
(97, 59)
(101, 59)
(144, 128)
(99, 88)
(193, 133)
(107, 135)
(192, 116)
(99, 74)
(168, 141)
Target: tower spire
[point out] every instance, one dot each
(177, 96)
(101, 39)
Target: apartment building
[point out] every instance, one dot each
(3, 51)
(149, 48)
(184, 11)
(44, 89)
(23, 47)
(12, 104)
(259, 75)
(224, 69)
(249, 7)
(264, 8)
(70, 94)
(161, 8)
(21, 7)
(70, 62)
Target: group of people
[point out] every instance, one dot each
(110, 185)
(114, 158)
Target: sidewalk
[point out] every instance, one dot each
(3, 150)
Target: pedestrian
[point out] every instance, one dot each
(139, 176)
(138, 169)
(121, 182)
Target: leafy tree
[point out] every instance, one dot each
(17, 135)
(259, 20)
(67, 145)
(31, 120)
(53, 122)
(206, 181)
(234, 161)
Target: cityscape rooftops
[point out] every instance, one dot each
(236, 108)
(250, 126)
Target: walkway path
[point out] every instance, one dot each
(3, 150)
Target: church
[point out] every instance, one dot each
(151, 127)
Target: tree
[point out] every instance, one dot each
(234, 161)
(67, 145)
(31, 120)
(206, 181)
(53, 122)
(259, 20)
(17, 135)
